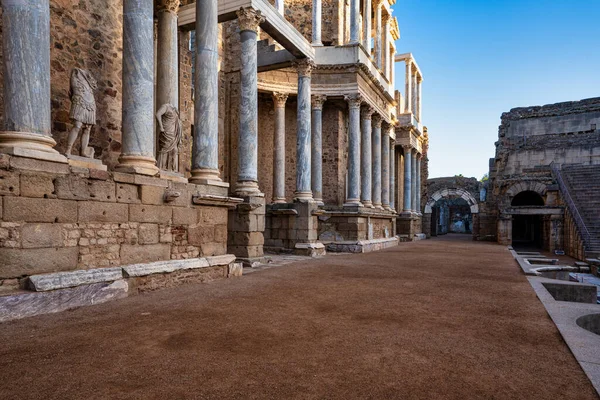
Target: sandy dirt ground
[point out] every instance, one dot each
(446, 318)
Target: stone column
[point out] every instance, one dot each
(408, 89)
(26, 66)
(303, 133)
(353, 197)
(167, 85)
(413, 180)
(386, 45)
(279, 5)
(317, 147)
(205, 151)
(378, 36)
(354, 21)
(316, 23)
(367, 15)
(376, 158)
(247, 182)
(407, 207)
(418, 184)
(392, 176)
(385, 169)
(137, 154)
(419, 82)
(279, 100)
(414, 93)
(365, 157)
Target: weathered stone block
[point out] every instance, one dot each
(93, 211)
(224, 259)
(134, 254)
(23, 163)
(213, 249)
(41, 235)
(9, 183)
(152, 194)
(62, 280)
(74, 187)
(212, 215)
(185, 216)
(39, 210)
(199, 234)
(151, 214)
(161, 267)
(235, 270)
(37, 185)
(22, 262)
(127, 193)
(148, 234)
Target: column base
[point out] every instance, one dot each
(279, 200)
(352, 203)
(247, 188)
(303, 197)
(368, 204)
(387, 207)
(205, 176)
(317, 44)
(135, 164)
(30, 145)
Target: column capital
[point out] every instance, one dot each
(305, 67)
(377, 3)
(168, 5)
(279, 99)
(407, 148)
(366, 112)
(385, 18)
(354, 100)
(317, 101)
(249, 19)
(377, 120)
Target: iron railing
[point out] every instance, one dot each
(579, 223)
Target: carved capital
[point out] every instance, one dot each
(407, 148)
(317, 101)
(305, 67)
(249, 19)
(168, 5)
(354, 100)
(385, 18)
(376, 121)
(377, 3)
(279, 99)
(366, 112)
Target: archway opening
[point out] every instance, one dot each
(527, 231)
(451, 215)
(527, 198)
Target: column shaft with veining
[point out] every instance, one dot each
(407, 207)
(303, 133)
(353, 196)
(376, 158)
(367, 12)
(413, 180)
(378, 34)
(279, 100)
(316, 23)
(418, 185)
(365, 157)
(354, 21)
(317, 147)
(385, 169)
(167, 70)
(393, 176)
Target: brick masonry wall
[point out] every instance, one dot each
(56, 218)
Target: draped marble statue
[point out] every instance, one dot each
(169, 138)
(83, 110)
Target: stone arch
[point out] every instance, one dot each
(440, 194)
(523, 186)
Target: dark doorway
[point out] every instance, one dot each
(527, 198)
(527, 231)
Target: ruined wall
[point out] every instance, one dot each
(351, 228)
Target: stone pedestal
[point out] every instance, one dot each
(246, 225)
(86, 162)
(293, 227)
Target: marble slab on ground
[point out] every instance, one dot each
(62, 280)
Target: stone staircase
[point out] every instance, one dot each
(583, 184)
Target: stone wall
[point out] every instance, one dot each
(335, 153)
(60, 218)
(339, 227)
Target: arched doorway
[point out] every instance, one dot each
(527, 226)
(452, 211)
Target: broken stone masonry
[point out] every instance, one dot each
(292, 139)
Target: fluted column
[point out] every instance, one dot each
(167, 70)
(205, 151)
(378, 36)
(408, 89)
(354, 21)
(392, 175)
(137, 154)
(386, 45)
(385, 169)
(353, 197)
(407, 207)
(316, 23)
(365, 156)
(317, 147)
(367, 15)
(376, 158)
(279, 100)
(279, 5)
(247, 182)
(303, 134)
(26, 79)
(418, 184)
(413, 180)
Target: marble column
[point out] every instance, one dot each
(205, 151)
(392, 175)
(167, 85)
(367, 16)
(386, 45)
(26, 79)
(247, 182)
(414, 93)
(279, 5)
(413, 180)
(378, 35)
(376, 158)
(418, 185)
(419, 82)
(354, 21)
(316, 23)
(353, 197)
(385, 169)
(317, 147)
(365, 157)
(303, 133)
(408, 89)
(137, 148)
(407, 207)
(279, 100)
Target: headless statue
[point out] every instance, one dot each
(169, 138)
(83, 110)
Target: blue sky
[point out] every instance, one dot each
(481, 58)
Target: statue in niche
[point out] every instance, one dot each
(83, 110)
(169, 138)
